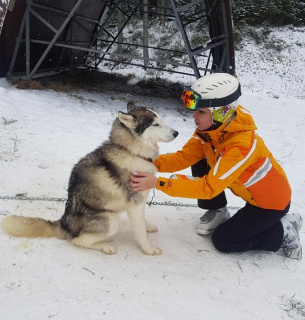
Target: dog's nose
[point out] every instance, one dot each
(176, 133)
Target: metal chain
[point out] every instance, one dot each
(154, 203)
(169, 203)
(22, 197)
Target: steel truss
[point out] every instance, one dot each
(74, 39)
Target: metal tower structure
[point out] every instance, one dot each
(43, 37)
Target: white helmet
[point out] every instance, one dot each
(217, 91)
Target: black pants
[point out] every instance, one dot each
(200, 169)
(251, 228)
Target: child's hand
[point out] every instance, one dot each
(143, 181)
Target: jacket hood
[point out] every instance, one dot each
(241, 121)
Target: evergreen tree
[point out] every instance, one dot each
(272, 12)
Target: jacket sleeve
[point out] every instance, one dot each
(229, 166)
(191, 153)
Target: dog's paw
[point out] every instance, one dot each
(107, 249)
(151, 228)
(152, 251)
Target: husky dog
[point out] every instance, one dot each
(99, 187)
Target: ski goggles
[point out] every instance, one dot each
(192, 100)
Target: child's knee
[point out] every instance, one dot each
(220, 242)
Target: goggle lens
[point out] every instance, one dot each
(190, 99)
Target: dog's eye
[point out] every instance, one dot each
(156, 125)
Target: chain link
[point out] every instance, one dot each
(169, 203)
(22, 197)
(154, 203)
(26, 198)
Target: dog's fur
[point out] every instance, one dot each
(99, 187)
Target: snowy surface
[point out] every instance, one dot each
(43, 133)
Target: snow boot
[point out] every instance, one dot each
(211, 220)
(291, 244)
(295, 219)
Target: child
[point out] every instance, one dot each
(226, 152)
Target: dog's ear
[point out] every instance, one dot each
(131, 106)
(126, 119)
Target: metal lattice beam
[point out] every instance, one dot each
(70, 36)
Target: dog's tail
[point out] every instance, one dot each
(28, 227)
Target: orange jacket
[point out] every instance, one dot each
(238, 159)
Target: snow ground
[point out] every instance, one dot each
(43, 133)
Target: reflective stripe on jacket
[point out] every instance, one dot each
(238, 159)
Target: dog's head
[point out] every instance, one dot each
(146, 124)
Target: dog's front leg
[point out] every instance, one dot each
(137, 219)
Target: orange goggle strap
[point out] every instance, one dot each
(192, 100)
